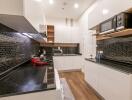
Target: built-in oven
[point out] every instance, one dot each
(108, 26)
(124, 21)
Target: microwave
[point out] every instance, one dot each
(108, 26)
(124, 21)
(117, 23)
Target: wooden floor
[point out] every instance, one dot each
(79, 88)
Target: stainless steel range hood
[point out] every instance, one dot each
(17, 23)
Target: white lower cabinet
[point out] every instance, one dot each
(91, 73)
(109, 83)
(68, 62)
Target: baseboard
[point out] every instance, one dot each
(97, 94)
(71, 70)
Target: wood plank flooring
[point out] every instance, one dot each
(79, 88)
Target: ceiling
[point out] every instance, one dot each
(65, 8)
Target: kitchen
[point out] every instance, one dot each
(66, 50)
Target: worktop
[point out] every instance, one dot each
(123, 67)
(27, 78)
(67, 54)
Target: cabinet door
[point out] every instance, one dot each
(68, 62)
(58, 63)
(113, 85)
(109, 83)
(91, 74)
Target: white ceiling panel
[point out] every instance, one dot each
(65, 8)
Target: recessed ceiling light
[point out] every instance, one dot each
(38, 0)
(105, 11)
(76, 5)
(51, 2)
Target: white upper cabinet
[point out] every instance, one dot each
(109, 7)
(11, 7)
(64, 33)
(23, 13)
(34, 12)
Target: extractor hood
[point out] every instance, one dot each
(17, 23)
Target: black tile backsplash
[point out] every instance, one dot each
(67, 50)
(70, 50)
(15, 48)
(117, 49)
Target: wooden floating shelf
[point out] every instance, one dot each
(98, 38)
(50, 37)
(50, 34)
(59, 44)
(50, 31)
(95, 34)
(129, 10)
(121, 33)
(125, 32)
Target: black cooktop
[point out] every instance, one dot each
(25, 79)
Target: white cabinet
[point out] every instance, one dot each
(68, 62)
(64, 33)
(114, 85)
(91, 73)
(113, 6)
(89, 42)
(34, 13)
(23, 13)
(13, 7)
(109, 83)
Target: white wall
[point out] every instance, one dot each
(64, 33)
(34, 12)
(11, 7)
